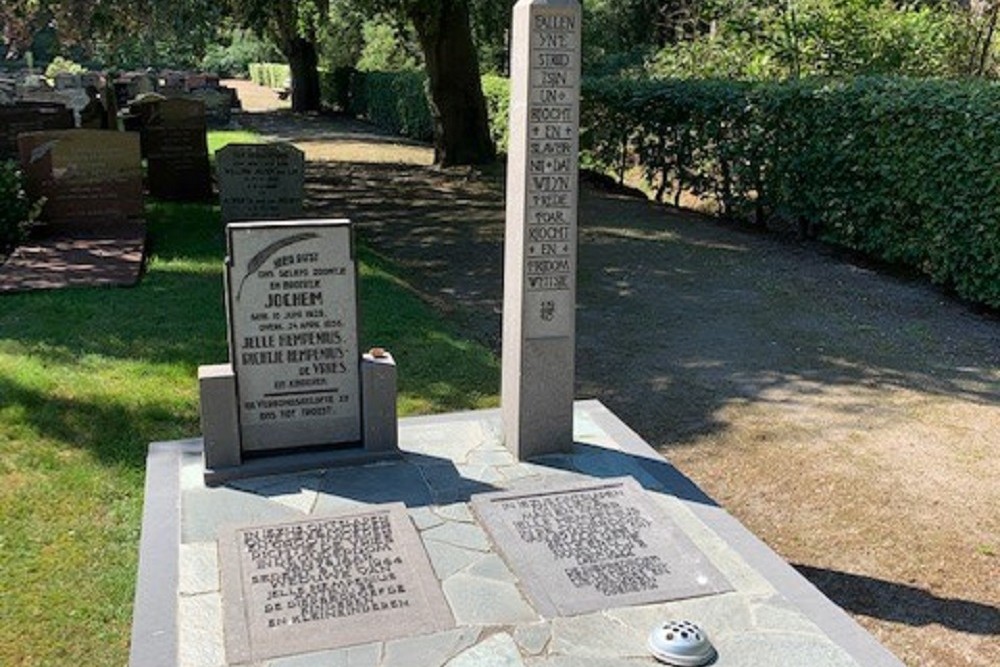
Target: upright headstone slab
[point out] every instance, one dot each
(260, 181)
(293, 333)
(541, 228)
(218, 105)
(326, 582)
(176, 146)
(30, 117)
(86, 176)
(596, 545)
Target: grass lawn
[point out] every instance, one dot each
(219, 138)
(88, 377)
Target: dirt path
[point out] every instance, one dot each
(849, 418)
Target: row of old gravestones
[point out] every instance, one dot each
(78, 92)
(172, 133)
(92, 177)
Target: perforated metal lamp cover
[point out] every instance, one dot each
(681, 643)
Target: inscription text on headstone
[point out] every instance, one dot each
(293, 328)
(260, 181)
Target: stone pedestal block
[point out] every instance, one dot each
(378, 401)
(219, 422)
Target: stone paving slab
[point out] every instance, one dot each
(108, 256)
(771, 615)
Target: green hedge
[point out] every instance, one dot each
(272, 75)
(903, 170)
(397, 101)
(496, 89)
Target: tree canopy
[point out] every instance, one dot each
(455, 41)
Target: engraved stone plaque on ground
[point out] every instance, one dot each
(579, 548)
(293, 328)
(260, 181)
(327, 582)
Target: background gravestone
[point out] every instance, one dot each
(260, 181)
(86, 176)
(176, 148)
(539, 319)
(292, 296)
(30, 117)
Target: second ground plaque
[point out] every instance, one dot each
(585, 547)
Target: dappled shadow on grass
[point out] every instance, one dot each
(899, 603)
(678, 316)
(173, 317)
(115, 434)
(437, 366)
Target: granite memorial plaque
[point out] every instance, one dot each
(293, 333)
(541, 228)
(326, 582)
(260, 181)
(90, 176)
(597, 545)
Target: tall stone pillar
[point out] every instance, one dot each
(539, 322)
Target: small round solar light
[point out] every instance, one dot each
(681, 643)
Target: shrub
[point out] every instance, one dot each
(397, 102)
(60, 65)
(900, 169)
(240, 49)
(496, 89)
(394, 101)
(271, 75)
(17, 211)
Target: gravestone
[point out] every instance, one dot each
(95, 79)
(218, 104)
(67, 80)
(21, 118)
(139, 83)
(584, 547)
(175, 144)
(293, 319)
(119, 88)
(541, 228)
(86, 176)
(260, 181)
(295, 365)
(325, 582)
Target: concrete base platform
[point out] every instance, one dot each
(771, 615)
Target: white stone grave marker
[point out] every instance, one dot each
(293, 327)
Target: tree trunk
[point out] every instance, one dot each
(461, 127)
(302, 61)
